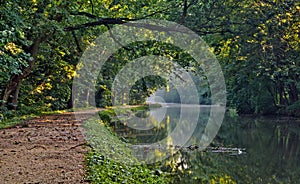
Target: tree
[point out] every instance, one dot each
(37, 24)
(263, 58)
(257, 43)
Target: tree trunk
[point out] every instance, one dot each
(16, 96)
(11, 91)
(71, 100)
(293, 93)
(10, 94)
(282, 100)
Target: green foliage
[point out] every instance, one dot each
(12, 118)
(292, 110)
(171, 95)
(257, 44)
(104, 170)
(140, 108)
(24, 26)
(232, 112)
(13, 57)
(13, 121)
(106, 116)
(111, 160)
(106, 163)
(259, 58)
(146, 86)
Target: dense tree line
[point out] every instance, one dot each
(256, 42)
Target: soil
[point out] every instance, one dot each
(48, 149)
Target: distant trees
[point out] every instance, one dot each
(262, 61)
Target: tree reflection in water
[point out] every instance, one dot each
(247, 150)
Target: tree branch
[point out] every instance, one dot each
(154, 13)
(101, 21)
(113, 37)
(184, 12)
(92, 4)
(106, 21)
(85, 14)
(186, 6)
(129, 22)
(76, 41)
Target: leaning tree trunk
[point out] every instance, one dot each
(10, 95)
(12, 90)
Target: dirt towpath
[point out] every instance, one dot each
(48, 149)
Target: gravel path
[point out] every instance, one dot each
(48, 149)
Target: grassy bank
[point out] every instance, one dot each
(111, 160)
(15, 118)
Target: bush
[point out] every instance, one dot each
(106, 116)
(292, 110)
(104, 170)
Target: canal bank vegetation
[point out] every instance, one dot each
(271, 155)
(42, 41)
(111, 159)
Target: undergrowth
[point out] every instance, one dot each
(111, 160)
(11, 118)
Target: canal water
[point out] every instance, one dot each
(244, 150)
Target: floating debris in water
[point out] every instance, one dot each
(190, 148)
(233, 151)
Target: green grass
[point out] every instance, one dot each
(11, 122)
(103, 140)
(18, 119)
(111, 160)
(101, 169)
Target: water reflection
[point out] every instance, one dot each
(175, 128)
(272, 147)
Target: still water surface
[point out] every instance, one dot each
(268, 147)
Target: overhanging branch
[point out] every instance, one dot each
(102, 21)
(129, 22)
(107, 21)
(85, 14)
